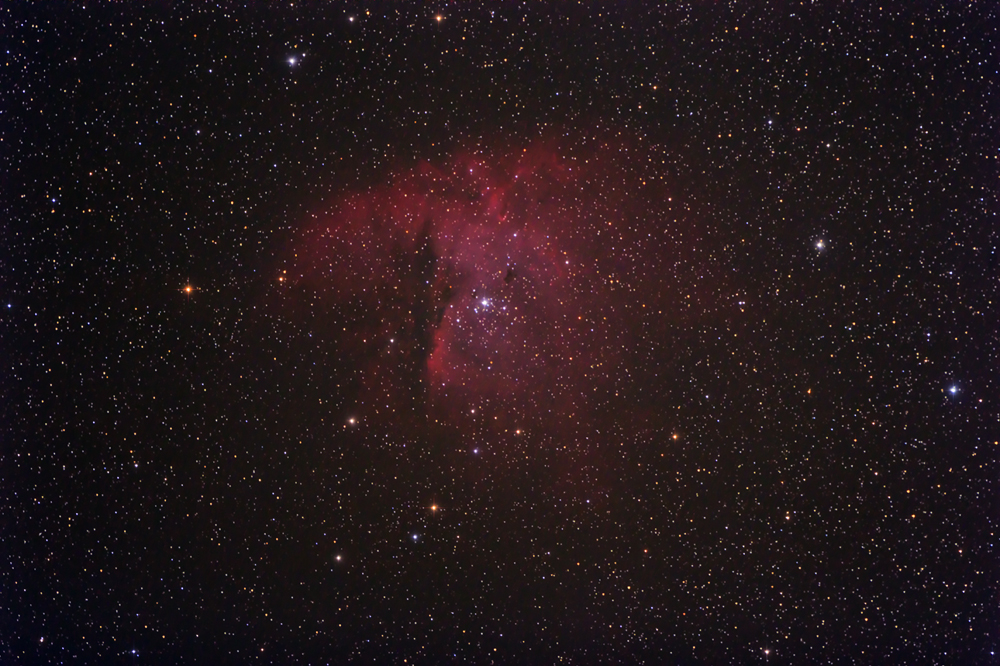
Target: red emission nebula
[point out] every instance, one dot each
(508, 291)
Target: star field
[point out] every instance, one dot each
(499, 333)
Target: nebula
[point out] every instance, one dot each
(512, 283)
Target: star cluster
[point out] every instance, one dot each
(499, 333)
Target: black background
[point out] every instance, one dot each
(179, 477)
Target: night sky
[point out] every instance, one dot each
(499, 333)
